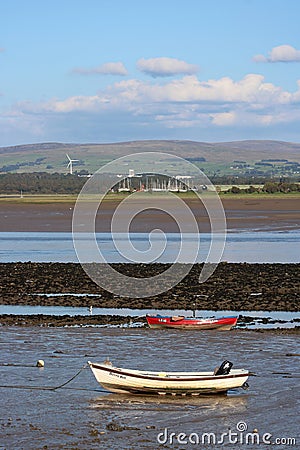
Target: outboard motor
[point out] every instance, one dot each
(224, 368)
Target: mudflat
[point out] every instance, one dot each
(233, 286)
(83, 415)
(254, 213)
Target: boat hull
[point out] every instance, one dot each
(181, 322)
(174, 383)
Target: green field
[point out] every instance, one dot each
(40, 199)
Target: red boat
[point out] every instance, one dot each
(191, 323)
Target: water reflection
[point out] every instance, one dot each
(234, 400)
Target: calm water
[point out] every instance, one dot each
(252, 247)
(80, 414)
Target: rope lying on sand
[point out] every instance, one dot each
(50, 388)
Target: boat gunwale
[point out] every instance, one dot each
(166, 377)
(200, 319)
(191, 323)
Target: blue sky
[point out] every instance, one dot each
(113, 70)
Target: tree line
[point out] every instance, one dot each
(269, 187)
(57, 183)
(40, 183)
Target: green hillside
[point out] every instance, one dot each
(221, 158)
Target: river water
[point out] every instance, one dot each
(82, 416)
(251, 247)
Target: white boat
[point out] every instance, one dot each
(123, 381)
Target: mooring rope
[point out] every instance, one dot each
(50, 388)
(71, 379)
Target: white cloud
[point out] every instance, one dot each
(131, 108)
(109, 68)
(224, 118)
(1, 49)
(165, 67)
(221, 96)
(250, 89)
(76, 103)
(282, 53)
(17, 122)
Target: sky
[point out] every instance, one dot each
(122, 70)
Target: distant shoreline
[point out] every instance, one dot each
(247, 212)
(117, 197)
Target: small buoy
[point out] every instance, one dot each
(40, 363)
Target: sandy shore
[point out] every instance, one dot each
(241, 213)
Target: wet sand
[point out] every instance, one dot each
(241, 213)
(81, 415)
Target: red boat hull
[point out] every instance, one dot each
(191, 323)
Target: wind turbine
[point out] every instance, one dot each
(70, 164)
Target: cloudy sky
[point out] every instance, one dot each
(119, 70)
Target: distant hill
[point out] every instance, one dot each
(51, 156)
